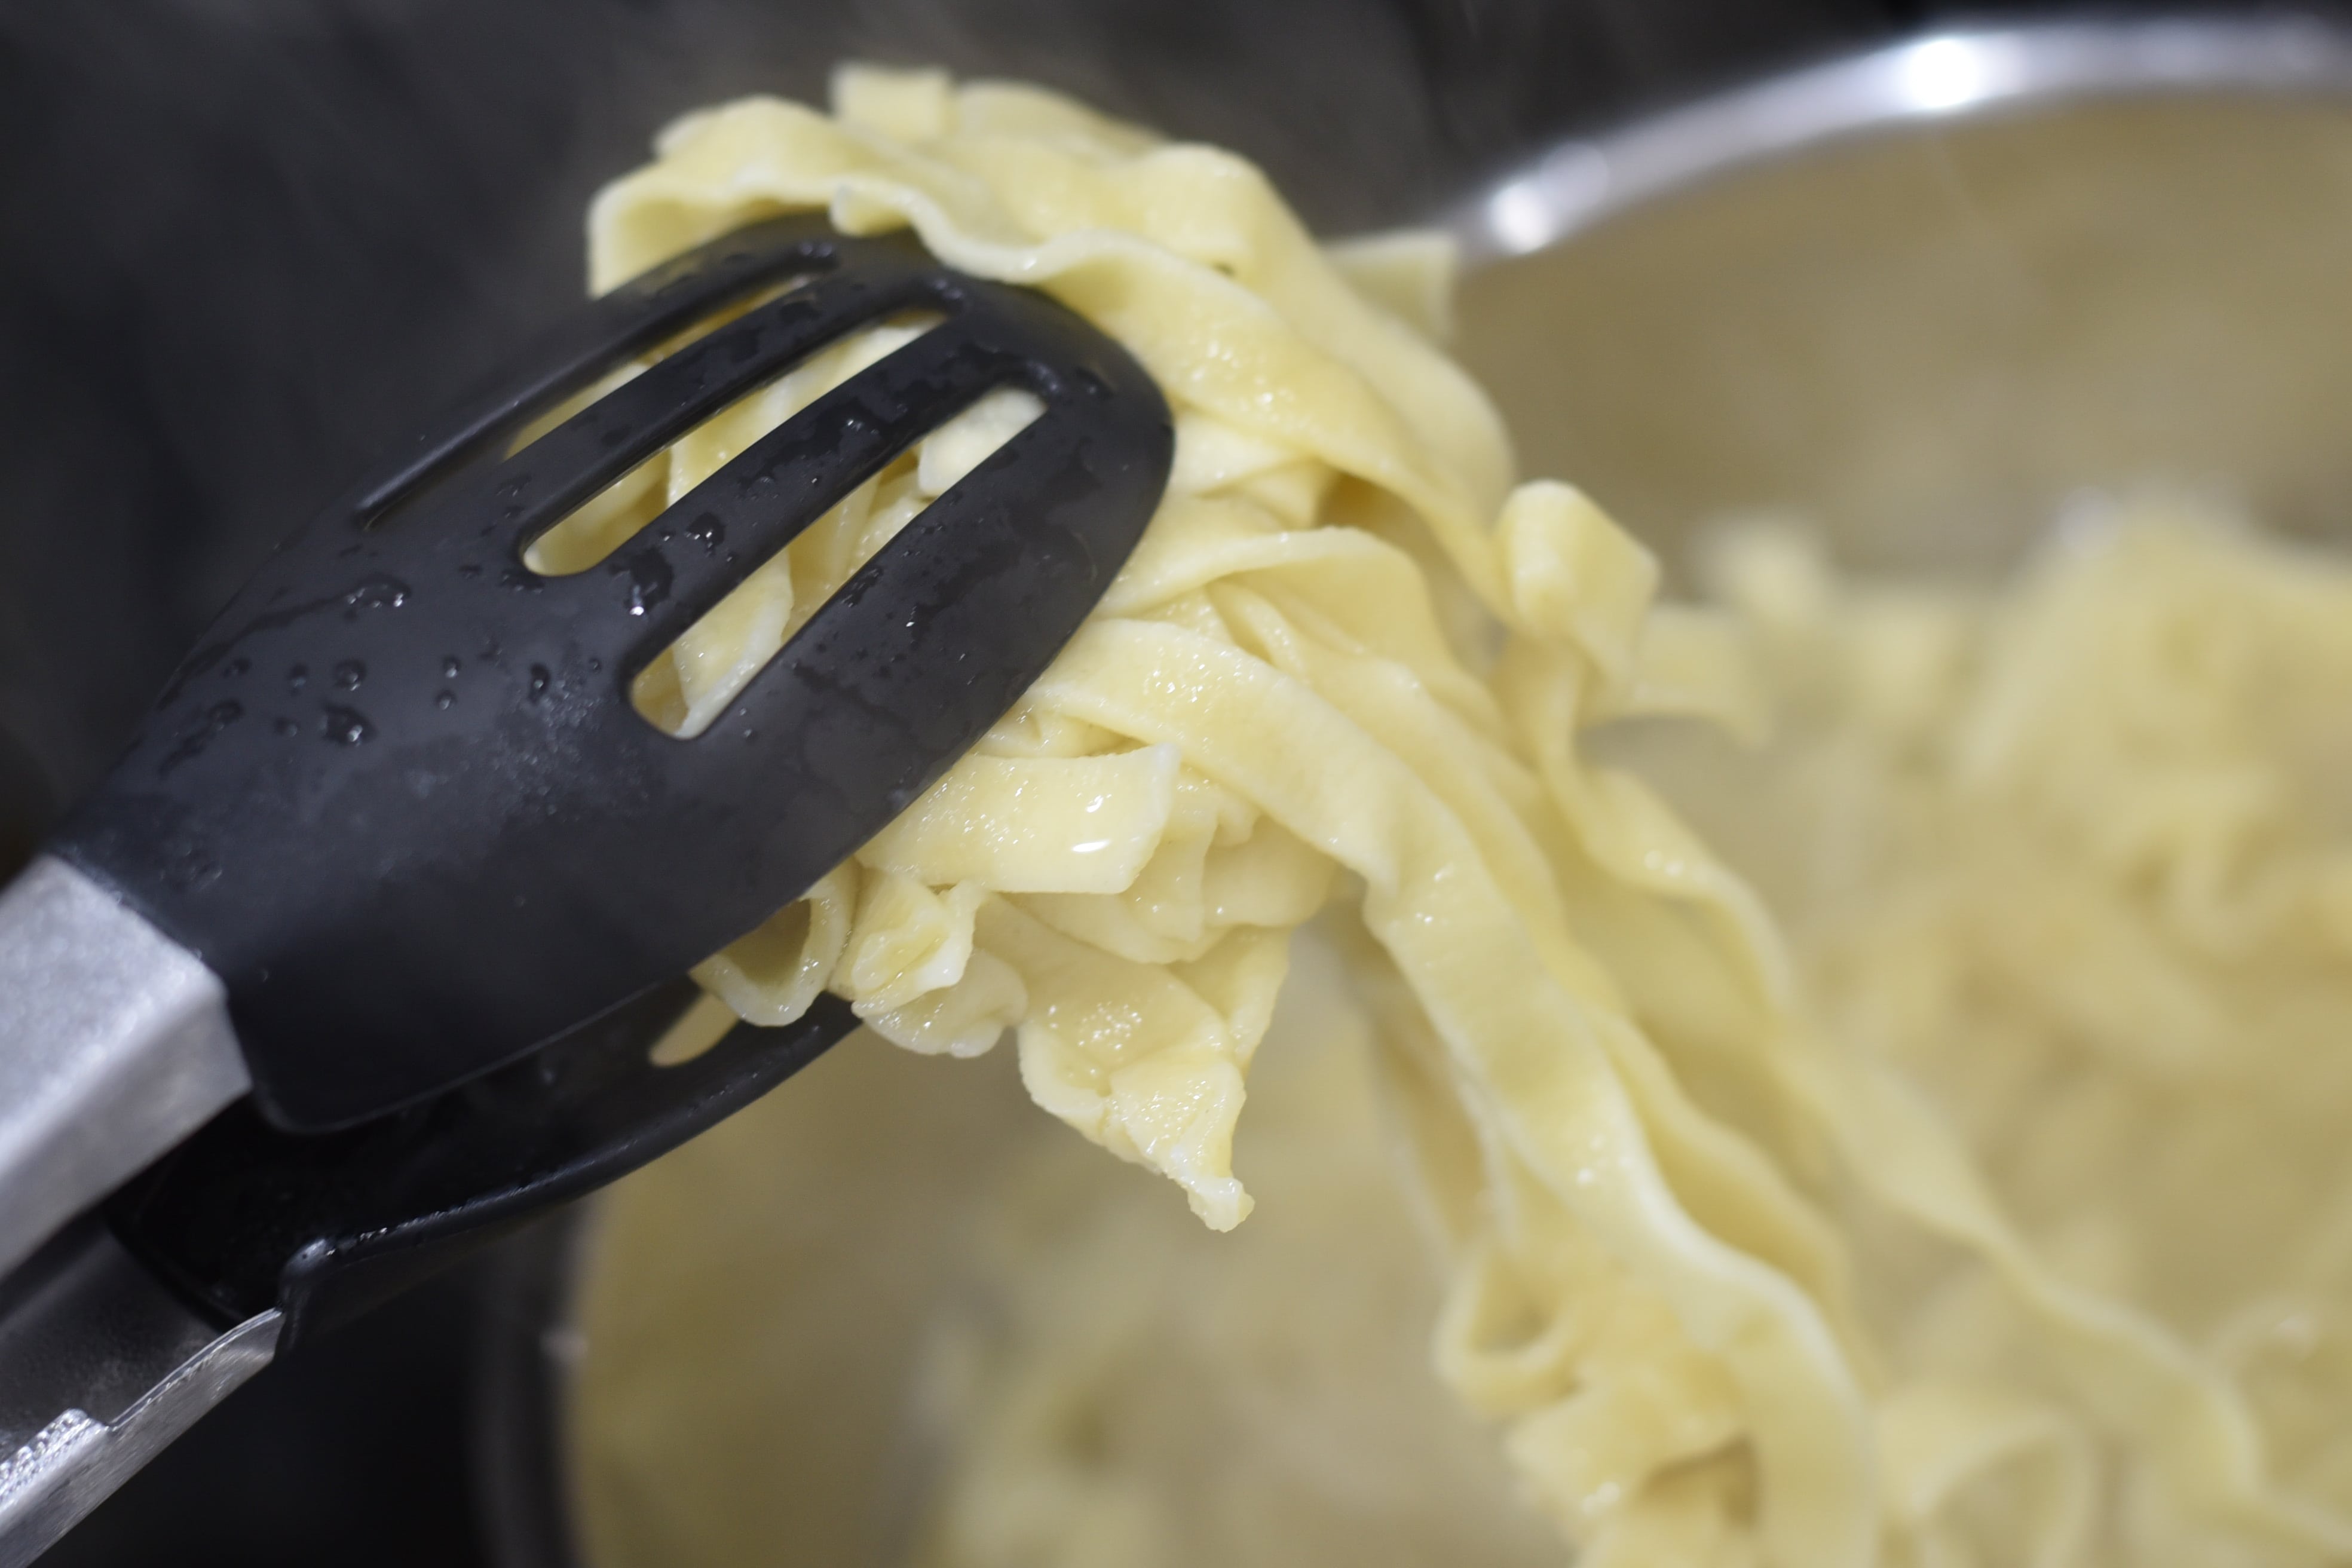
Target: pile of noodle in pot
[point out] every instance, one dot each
(1850, 1247)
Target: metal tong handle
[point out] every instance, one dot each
(114, 1044)
(104, 1368)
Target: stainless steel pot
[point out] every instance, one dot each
(1924, 294)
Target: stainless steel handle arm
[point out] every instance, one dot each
(114, 1044)
(100, 1366)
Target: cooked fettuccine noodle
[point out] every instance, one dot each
(1909, 1242)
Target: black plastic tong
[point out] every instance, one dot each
(399, 801)
(445, 876)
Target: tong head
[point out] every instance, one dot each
(399, 800)
(244, 1219)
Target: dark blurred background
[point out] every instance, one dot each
(248, 242)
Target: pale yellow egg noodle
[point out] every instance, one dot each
(1730, 1289)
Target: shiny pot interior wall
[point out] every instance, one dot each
(1928, 338)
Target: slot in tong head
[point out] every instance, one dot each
(442, 876)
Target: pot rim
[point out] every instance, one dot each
(1957, 74)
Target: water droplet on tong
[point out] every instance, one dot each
(347, 726)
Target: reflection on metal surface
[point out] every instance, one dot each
(1578, 183)
(99, 1368)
